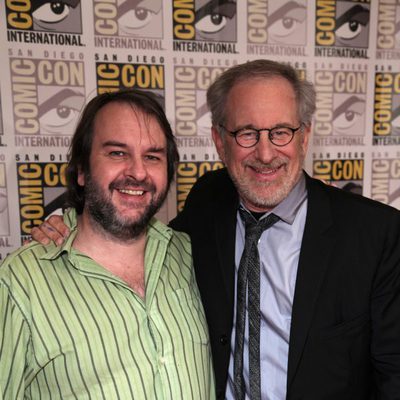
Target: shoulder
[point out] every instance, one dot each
(214, 179)
(212, 188)
(212, 193)
(20, 269)
(180, 241)
(27, 255)
(346, 203)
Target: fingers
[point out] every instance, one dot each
(55, 226)
(39, 236)
(53, 229)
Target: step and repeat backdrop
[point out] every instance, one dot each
(56, 55)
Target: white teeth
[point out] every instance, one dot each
(132, 192)
(266, 172)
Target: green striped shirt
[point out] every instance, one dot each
(69, 329)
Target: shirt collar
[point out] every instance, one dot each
(156, 230)
(287, 209)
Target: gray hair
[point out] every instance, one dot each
(218, 92)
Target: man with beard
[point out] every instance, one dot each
(320, 318)
(115, 312)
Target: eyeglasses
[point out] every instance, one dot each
(248, 137)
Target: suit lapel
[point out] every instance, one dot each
(315, 252)
(225, 235)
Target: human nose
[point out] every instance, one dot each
(265, 150)
(136, 168)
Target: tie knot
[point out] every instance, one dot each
(255, 228)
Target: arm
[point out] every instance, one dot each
(14, 341)
(54, 229)
(385, 315)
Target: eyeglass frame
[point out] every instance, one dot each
(258, 131)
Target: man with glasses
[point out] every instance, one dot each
(300, 281)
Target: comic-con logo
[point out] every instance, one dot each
(127, 23)
(113, 76)
(204, 25)
(276, 28)
(190, 85)
(44, 22)
(40, 187)
(187, 174)
(385, 180)
(386, 121)
(388, 32)
(342, 28)
(346, 174)
(47, 96)
(341, 104)
(4, 218)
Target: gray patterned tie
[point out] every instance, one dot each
(249, 274)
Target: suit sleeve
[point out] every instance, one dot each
(385, 316)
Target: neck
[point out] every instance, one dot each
(124, 259)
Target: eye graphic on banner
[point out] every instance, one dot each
(205, 26)
(140, 18)
(341, 107)
(47, 95)
(128, 24)
(191, 113)
(59, 110)
(215, 20)
(60, 16)
(48, 22)
(273, 22)
(342, 28)
(386, 121)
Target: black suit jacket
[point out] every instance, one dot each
(345, 331)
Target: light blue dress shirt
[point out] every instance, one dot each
(279, 248)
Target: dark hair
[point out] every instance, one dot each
(81, 145)
(218, 92)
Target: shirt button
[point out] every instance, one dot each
(223, 340)
(162, 360)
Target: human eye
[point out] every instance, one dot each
(286, 20)
(117, 154)
(246, 134)
(281, 132)
(352, 23)
(152, 157)
(52, 12)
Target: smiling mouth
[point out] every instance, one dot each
(132, 192)
(266, 171)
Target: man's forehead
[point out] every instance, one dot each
(129, 118)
